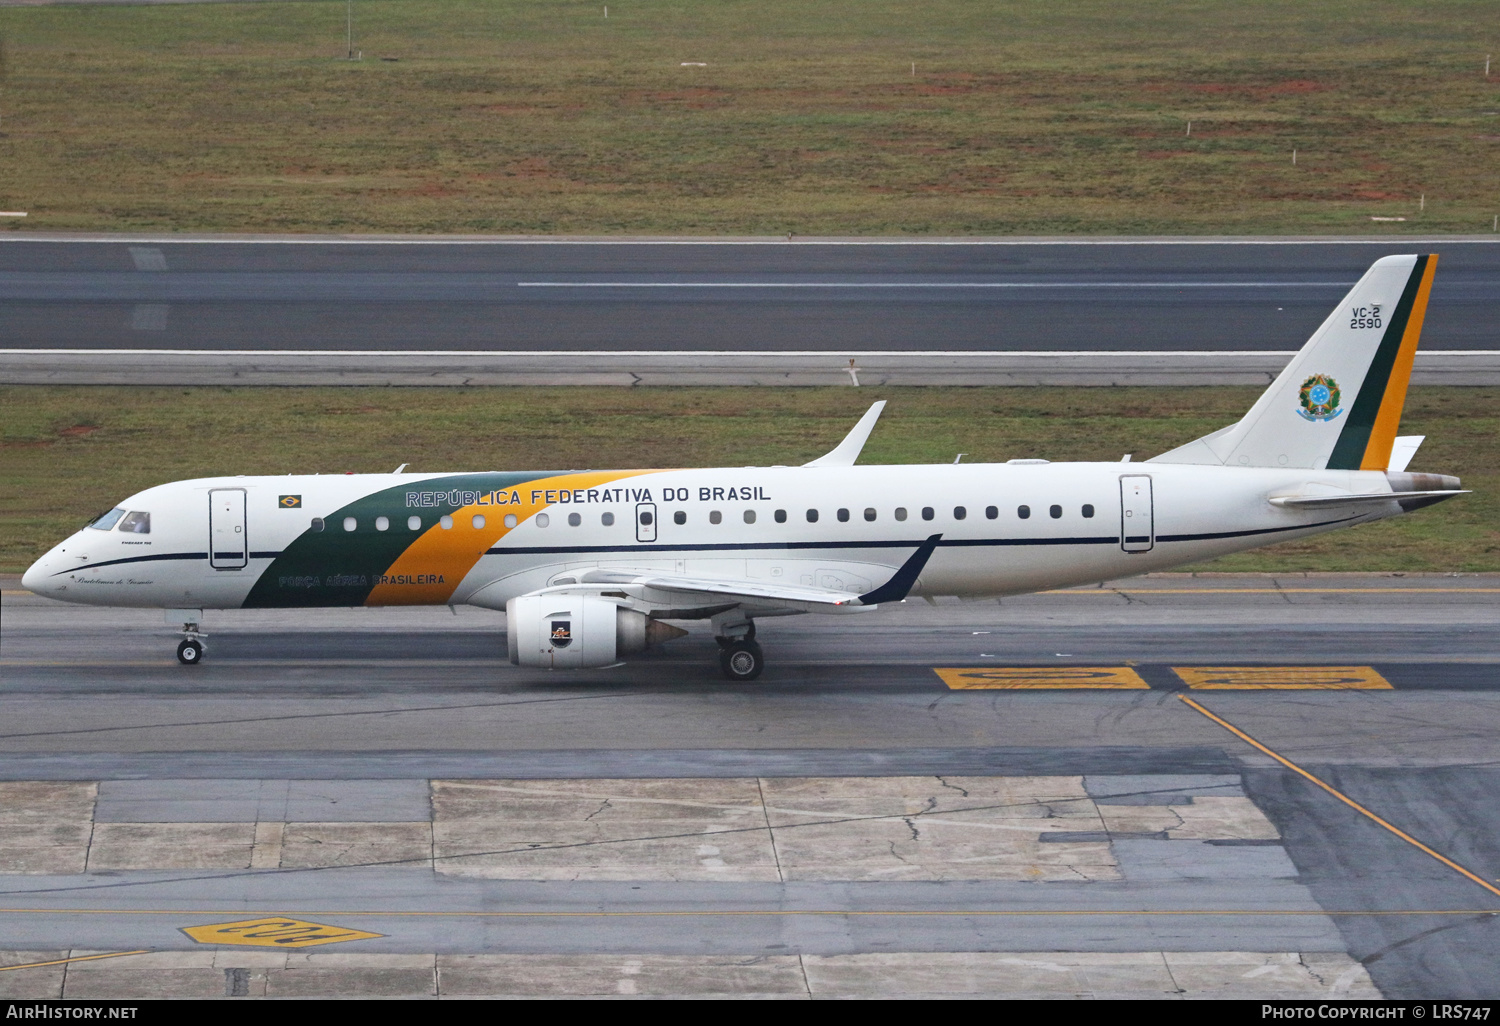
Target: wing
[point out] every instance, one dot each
(740, 589)
(725, 587)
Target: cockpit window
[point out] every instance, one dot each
(105, 522)
(136, 523)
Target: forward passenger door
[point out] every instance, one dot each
(228, 546)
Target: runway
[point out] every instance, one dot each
(1062, 811)
(748, 296)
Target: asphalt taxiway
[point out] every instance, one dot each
(1173, 786)
(868, 295)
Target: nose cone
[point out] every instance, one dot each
(35, 579)
(41, 578)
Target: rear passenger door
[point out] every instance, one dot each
(1137, 514)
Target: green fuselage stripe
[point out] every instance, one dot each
(334, 567)
(1349, 450)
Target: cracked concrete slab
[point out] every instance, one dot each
(1246, 975)
(308, 845)
(992, 974)
(689, 829)
(45, 826)
(996, 974)
(610, 975)
(41, 983)
(934, 828)
(171, 846)
(1211, 817)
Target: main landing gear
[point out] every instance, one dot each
(742, 659)
(190, 650)
(740, 656)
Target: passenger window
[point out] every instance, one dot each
(317, 525)
(574, 519)
(446, 521)
(382, 523)
(1055, 512)
(1088, 512)
(107, 520)
(679, 518)
(781, 516)
(959, 512)
(542, 520)
(1024, 512)
(715, 517)
(350, 523)
(413, 523)
(478, 521)
(749, 516)
(991, 512)
(607, 519)
(843, 516)
(510, 520)
(927, 513)
(136, 523)
(812, 516)
(870, 513)
(900, 512)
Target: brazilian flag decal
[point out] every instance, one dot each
(289, 501)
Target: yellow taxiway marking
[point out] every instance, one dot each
(274, 932)
(1039, 677)
(706, 913)
(65, 961)
(1341, 796)
(1282, 678)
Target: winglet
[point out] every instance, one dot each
(902, 580)
(854, 442)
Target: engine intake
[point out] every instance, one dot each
(562, 631)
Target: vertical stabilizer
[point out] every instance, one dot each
(1337, 405)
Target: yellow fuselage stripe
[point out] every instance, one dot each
(445, 556)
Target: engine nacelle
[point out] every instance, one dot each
(564, 631)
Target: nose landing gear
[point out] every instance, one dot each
(190, 649)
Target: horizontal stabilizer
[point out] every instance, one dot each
(1320, 501)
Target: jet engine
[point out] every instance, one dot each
(571, 631)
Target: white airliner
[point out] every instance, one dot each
(588, 564)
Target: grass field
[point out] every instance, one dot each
(544, 116)
(68, 453)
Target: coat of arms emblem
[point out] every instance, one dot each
(562, 633)
(1319, 397)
